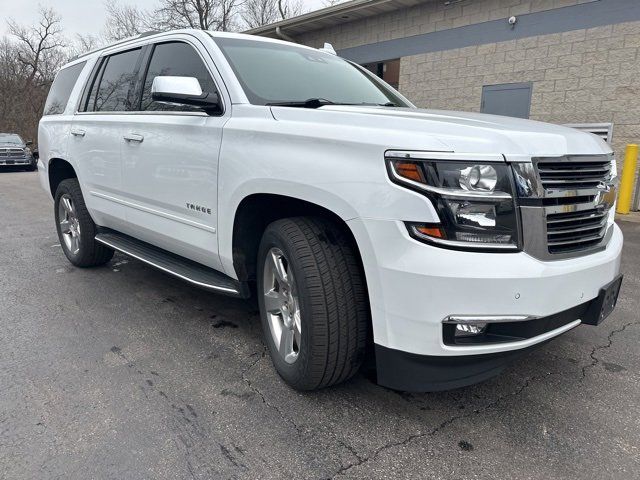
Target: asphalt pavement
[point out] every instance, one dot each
(122, 372)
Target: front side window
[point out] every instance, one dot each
(273, 73)
(176, 59)
(61, 89)
(112, 90)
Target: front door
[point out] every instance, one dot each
(170, 161)
(96, 135)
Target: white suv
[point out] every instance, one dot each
(449, 243)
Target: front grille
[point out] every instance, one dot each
(11, 152)
(573, 231)
(574, 174)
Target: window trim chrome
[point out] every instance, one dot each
(145, 61)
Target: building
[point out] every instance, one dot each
(562, 61)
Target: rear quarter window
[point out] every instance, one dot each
(61, 89)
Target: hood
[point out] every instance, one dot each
(461, 132)
(11, 145)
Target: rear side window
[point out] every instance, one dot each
(179, 60)
(112, 89)
(61, 89)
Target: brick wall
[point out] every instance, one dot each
(582, 76)
(426, 18)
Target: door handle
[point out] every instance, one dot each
(77, 132)
(133, 137)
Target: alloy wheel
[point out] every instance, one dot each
(69, 224)
(282, 305)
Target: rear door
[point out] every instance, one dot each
(96, 134)
(170, 158)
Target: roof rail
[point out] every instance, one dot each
(120, 42)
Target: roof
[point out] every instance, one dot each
(154, 34)
(328, 17)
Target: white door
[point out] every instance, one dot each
(96, 136)
(170, 161)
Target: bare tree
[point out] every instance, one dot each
(201, 14)
(126, 21)
(260, 12)
(29, 60)
(263, 12)
(84, 43)
(40, 45)
(289, 8)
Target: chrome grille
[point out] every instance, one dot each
(589, 172)
(12, 152)
(574, 231)
(565, 204)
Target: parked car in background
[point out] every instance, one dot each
(450, 242)
(15, 152)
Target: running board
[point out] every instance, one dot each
(187, 270)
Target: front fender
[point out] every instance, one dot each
(283, 187)
(340, 169)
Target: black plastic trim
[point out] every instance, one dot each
(409, 372)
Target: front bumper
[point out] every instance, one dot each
(423, 373)
(17, 162)
(413, 287)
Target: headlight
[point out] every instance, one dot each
(474, 201)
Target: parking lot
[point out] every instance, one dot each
(124, 372)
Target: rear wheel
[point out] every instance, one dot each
(76, 230)
(313, 302)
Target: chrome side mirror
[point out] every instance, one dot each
(184, 91)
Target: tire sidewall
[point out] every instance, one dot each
(292, 373)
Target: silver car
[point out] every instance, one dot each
(16, 152)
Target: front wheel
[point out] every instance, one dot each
(313, 302)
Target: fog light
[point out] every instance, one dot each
(470, 329)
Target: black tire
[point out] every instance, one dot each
(90, 252)
(332, 299)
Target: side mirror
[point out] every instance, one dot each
(184, 91)
(28, 143)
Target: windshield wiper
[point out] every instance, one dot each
(309, 103)
(320, 102)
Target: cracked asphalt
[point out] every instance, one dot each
(122, 372)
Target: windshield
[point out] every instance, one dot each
(273, 73)
(10, 138)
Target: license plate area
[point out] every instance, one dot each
(602, 306)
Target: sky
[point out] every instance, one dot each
(78, 16)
